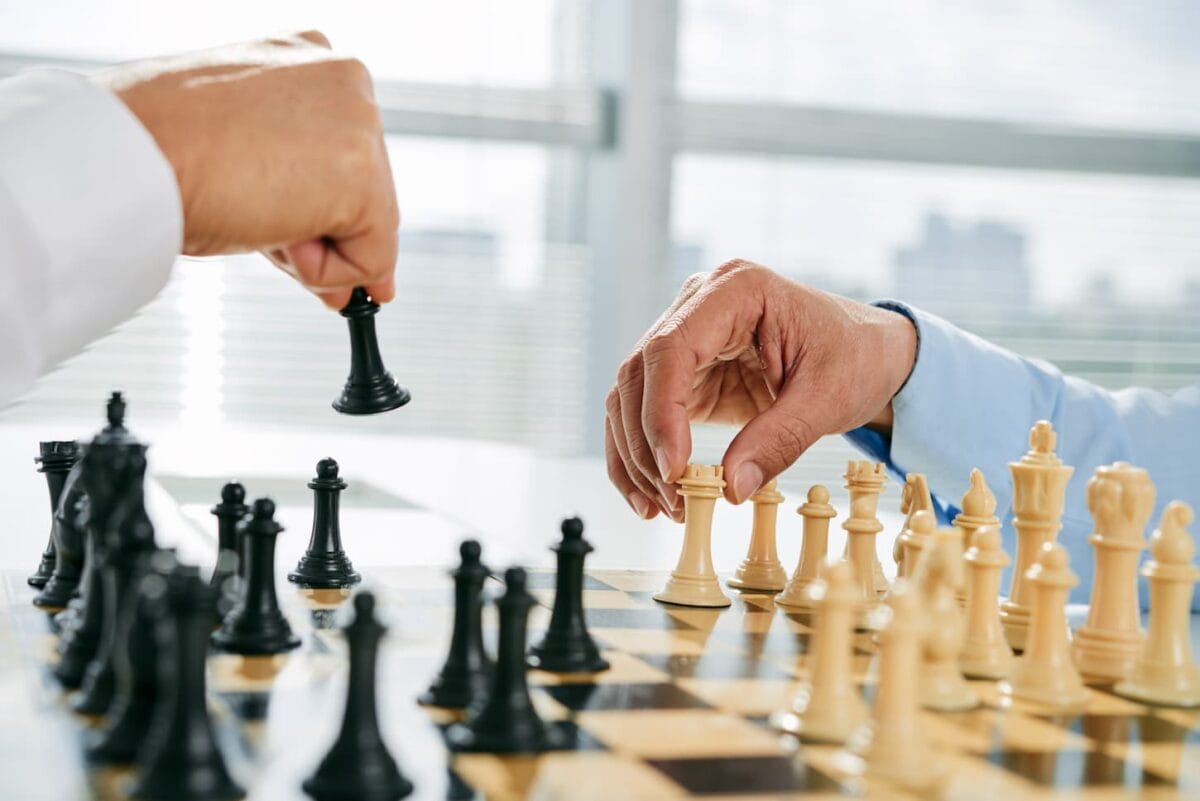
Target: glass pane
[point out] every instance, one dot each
(463, 41)
(1119, 64)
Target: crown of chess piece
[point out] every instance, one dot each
(1165, 671)
(978, 511)
(135, 666)
(1045, 673)
(55, 460)
(82, 625)
(127, 533)
(817, 512)
(1039, 493)
(69, 537)
(464, 676)
(829, 707)
(359, 767)
(256, 626)
(761, 569)
(229, 512)
(1121, 500)
(370, 388)
(505, 721)
(914, 497)
(985, 654)
(694, 581)
(180, 758)
(567, 646)
(325, 564)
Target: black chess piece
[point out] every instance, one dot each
(127, 532)
(464, 676)
(370, 389)
(229, 512)
(135, 665)
(506, 721)
(255, 625)
(325, 565)
(358, 767)
(180, 759)
(69, 545)
(55, 460)
(567, 646)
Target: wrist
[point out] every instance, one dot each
(899, 347)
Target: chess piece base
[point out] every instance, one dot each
(271, 639)
(380, 395)
(1015, 619)
(684, 590)
(945, 690)
(830, 721)
(532, 738)
(992, 662)
(323, 571)
(1052, 695)
(56, 594)
(567, 655)
(1165, 684)
(795, 596)
(1105, 655)
(757, 575)
(41, 576)
(345, 778)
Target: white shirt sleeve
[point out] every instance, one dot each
(90, 220)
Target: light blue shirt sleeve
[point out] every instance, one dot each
(969, 403)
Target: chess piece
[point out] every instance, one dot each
(1045, 674)
(1165, 671)
(506, 722)
(817, 512)
(567, 646)
(229, 513)
(978, 511)
(127, 532)
(180, 758)
(829, 706)
(893, 744)
(761, 569)
(55, 460)
(358, 767)
(1121, 500)
(464, 676)
(1039, 492)
(936, 581)
(135, 666)
(69, 545)
(914, 497)
(694, 582)
(325, 564)
(985, 653)
(865, 482)
(256, 626)
(370, 389)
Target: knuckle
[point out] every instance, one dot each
(630, 369)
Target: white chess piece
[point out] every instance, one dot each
(694, 582)
(1165, 672)
(817, 512)
(829, 707)
(914, 497)
(761, 569)
(985, 654)
(978, 511)
(865, 482)
(936, 582)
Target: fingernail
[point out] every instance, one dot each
(670, 494)
(746, 481)
(664, 463)
(639, 504)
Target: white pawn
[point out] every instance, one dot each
(986, 653)
(1165, 672)
(936, 581)
(761, 569)
(893, 745)
(829, 707)
(817, 512)
(1045, 673)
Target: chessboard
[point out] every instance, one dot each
(683, 711)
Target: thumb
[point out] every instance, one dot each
(768, 445)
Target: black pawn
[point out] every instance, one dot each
(135, 665)
(465, 675)
(69, 545)
(358, 767)
(55, 460)
(370, 389)
(325, 565)
(506, 721)
(229, 513)
(180, 759)
(567, 646)
(127, 533)
(255, 625)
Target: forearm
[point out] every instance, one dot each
(90, 221)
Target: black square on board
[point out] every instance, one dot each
(611, 696)
(714, 665)
(753, 774)
(1074, 768)
(545, 580)
(601, 618)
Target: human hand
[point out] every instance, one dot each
(277, 146)
(745, 346)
